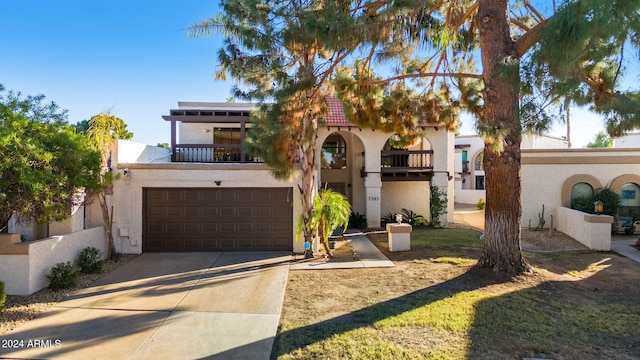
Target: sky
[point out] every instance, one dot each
(134, 59)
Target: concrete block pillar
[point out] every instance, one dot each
(399, 237)
(373, 191)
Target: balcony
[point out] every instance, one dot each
(465, 167)
(209, 153)
(406, 165)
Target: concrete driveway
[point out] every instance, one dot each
(222, 305)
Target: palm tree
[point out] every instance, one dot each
(103, 130)
(331, 210)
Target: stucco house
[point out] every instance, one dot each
(554, 176)
(206, 193)
(469, 167)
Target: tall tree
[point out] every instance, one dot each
(45, 167)
(529, 57)
(273, 49)
(103, 129)
(118, 131)
(601, 140)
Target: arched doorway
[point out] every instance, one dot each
(340, 163)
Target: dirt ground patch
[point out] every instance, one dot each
(556, 313)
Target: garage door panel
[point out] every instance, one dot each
(156, 210)
(228, 227)
(190, 194)
(277, 212)
(280, 226)
(208, 211)
(280, 241)
(193, 211)
(174, 195)
(193, 228)
(175, 211)
(245, 196)
(228, 211)
(245, 243)
(211, 219)
(193, 243)
(175, 227)
(246, 211)
(228, 243)
(210, 228)
(229, 195)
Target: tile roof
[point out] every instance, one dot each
(337, 118)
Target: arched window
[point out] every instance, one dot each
(334, 152)
(580, 191)
(630, 195)
(480, 162)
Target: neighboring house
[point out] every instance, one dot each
(206, 193)
(631, 140)
(469, 163)
(555, 178)
(553, 175)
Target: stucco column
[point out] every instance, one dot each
(443, 166)
(373, 190)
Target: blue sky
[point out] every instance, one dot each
(132, 58)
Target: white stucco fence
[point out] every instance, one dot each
(593, 231)
(469, 196)
(25, 274)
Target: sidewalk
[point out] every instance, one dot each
(366, 254)
(622, 246)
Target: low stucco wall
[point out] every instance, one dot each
(410, 195)
(469, 196)
(25, 274)
(593, 231)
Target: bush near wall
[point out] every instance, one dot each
(3, 295)
(90, 260)
(63, 276)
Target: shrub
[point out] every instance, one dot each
(89, 260)
(438, 205)
(610, 199)
(63, 276)
(357, 221)
(3, 295)
(482, 203)
(412, 218)
(388, 219)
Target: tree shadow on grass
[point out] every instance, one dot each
(299, 338)
(592, 314)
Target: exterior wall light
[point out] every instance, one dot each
(599, 207)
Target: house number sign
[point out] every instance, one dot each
(374, 198)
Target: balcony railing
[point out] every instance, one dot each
(209, 153)
(403, 165)
(465, 167)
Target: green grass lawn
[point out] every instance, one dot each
(435, 305)
(422, 236)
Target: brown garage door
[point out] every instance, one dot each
(210, 219)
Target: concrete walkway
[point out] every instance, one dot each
(222, 305)
(367, 255)
(622, 246)
(469, 215)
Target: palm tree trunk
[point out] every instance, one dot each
(108, 224)
(307, 186)
(503, 213)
